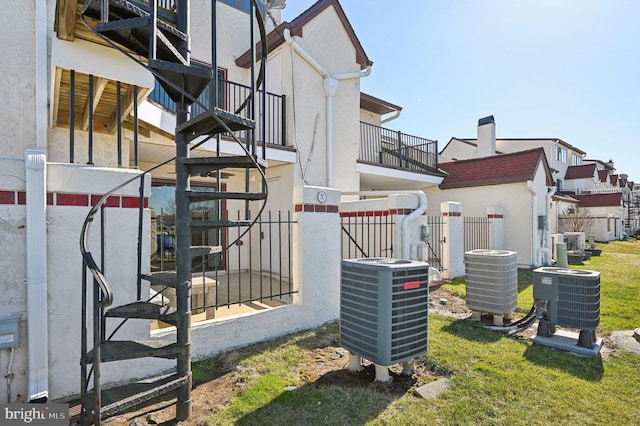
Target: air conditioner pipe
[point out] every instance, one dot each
(422, 207)
(524, 322)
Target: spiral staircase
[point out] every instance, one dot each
(158, 30)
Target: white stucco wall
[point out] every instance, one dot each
(64, 270)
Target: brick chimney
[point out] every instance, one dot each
(486, 137)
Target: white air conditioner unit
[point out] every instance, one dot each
(492, 282)
(572, 299)
(575, 241)
(384, 307)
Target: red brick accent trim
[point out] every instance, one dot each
(315, 208)
(63, 199)
(71, 199)
(451, 214)
(7, 197)
(495, 216)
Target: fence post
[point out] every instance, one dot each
(316, 252)
(496, 227)
(453, 239)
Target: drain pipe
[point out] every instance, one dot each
(331, 84)
(422, 207)
(535, 253)
(41, 75)
(393, 117)
(37, 320)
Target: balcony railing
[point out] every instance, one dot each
(232, 97)
(390, 148)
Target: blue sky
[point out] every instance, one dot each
(567, 69)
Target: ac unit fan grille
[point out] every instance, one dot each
(578, 303)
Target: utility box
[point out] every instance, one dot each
(9, 332)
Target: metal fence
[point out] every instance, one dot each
(434, 244)
(476, 233)
(367, 235)
(255, 270)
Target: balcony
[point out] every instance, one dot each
(236, 98)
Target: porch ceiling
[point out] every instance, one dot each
(104, 102)
(382, 178)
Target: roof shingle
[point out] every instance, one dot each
(599, 200)
(580, 172)
(495, 170)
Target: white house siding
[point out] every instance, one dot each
(520, 215)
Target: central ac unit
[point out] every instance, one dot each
(384, 307)
(491, 278)
(572, 299)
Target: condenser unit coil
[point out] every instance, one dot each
(573, 296)
(384, 307)
(491, 280)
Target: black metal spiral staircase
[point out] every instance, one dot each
(161, 35)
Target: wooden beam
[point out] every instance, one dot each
(99, 84)
(53, 118)
(127, 106)
(67, 19)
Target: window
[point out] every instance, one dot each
(243, 5)
(561, 154)
(559, 185)
(576, 160)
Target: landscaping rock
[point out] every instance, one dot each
(433, 389)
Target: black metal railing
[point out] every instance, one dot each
(366, 235)
(256, 269)
(390, 148)
(435, 242)
(231, 97)
(476, 233)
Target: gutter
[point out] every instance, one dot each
(422, 207)
(331, 84)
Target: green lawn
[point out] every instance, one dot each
(495, 380)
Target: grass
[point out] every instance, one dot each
(495, 380)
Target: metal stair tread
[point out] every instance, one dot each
(119, 350)
(205, 250)
(193, 79)
(124, 397)
(195, 195)
(144, 310)
(164, 278)
(209, 123)
(203, 165)
(209, 224)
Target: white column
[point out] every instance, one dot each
(496, 227)
(316, 252)
(453, 239)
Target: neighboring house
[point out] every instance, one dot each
(559, 153)
(92, 118)
(520, 183)
(607, 214)
(577, 179)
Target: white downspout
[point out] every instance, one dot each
(422, 207)
(42, 64)
(535, 254)
(331, 84)
(545, 250)
(37, 321)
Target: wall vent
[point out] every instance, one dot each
(384, 307)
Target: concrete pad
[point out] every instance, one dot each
(567, 341)
(625, 340)
(433, 389)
